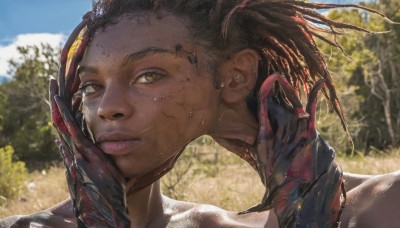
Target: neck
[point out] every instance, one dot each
(146, 207)
(235, 127)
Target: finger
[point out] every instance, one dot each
(265, 125)
(53, 88)
(65, 53)
(281, 120)
(76, 102)
(74, 131)
(56, 117)
(72, 125)
(69, 121)
(71, 173)
(66, 155)
(292, 96)
(312, 104)
(266, 134)
(85, 150)
(80, 172)
(70, 158)
(77, 51)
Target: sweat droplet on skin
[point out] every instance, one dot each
(161, 98)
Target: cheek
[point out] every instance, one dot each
(185, 113)
(89, 112)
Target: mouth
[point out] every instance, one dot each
(116, 143)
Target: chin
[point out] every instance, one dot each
(128, 171)
(131, 169)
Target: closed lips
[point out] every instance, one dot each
(115, 144)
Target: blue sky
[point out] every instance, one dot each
(39, 16)
(30, 22)
(50, 16)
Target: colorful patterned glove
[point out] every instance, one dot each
(96, 186)
(303, 182)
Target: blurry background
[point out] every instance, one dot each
(31, 172)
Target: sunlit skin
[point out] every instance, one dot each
(140, 89)
(144, 101)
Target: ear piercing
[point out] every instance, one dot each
(238, 78)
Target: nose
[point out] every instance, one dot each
(114, 104)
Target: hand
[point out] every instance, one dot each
(96, 186)
(295, 164)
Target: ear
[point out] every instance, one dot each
(239, 75)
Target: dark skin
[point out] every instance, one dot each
(145, 97)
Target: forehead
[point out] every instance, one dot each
(131, 33)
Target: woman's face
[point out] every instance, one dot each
(144, 94)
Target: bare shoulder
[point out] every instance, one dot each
(374, 203)
(204, 215)
(57, 216)
(212, 216)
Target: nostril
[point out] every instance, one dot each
(118, 115)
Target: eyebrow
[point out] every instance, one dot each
(143, 53)
(133, 57)
(88, 69)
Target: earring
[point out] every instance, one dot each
(221, 85)
(238, 78)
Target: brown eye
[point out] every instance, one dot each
(89, 89)
(148, 77)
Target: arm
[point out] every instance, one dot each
(40, 219)
(352, 180)
(374, 203)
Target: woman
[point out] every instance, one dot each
(141, 79)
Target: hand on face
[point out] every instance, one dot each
(97, 188)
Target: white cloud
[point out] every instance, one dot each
(9, 51)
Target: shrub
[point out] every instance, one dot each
(12, 174)
(174, 184)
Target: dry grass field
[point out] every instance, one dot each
(205, 173)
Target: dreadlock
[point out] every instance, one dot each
(283, 32)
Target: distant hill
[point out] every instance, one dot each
(4, 79)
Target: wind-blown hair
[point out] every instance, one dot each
(282, 32)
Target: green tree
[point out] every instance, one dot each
(12, 175)
(368, 79)
(24, 106)
(382, 75)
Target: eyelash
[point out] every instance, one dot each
(83, 88)
(147, 73)
(155, 73)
